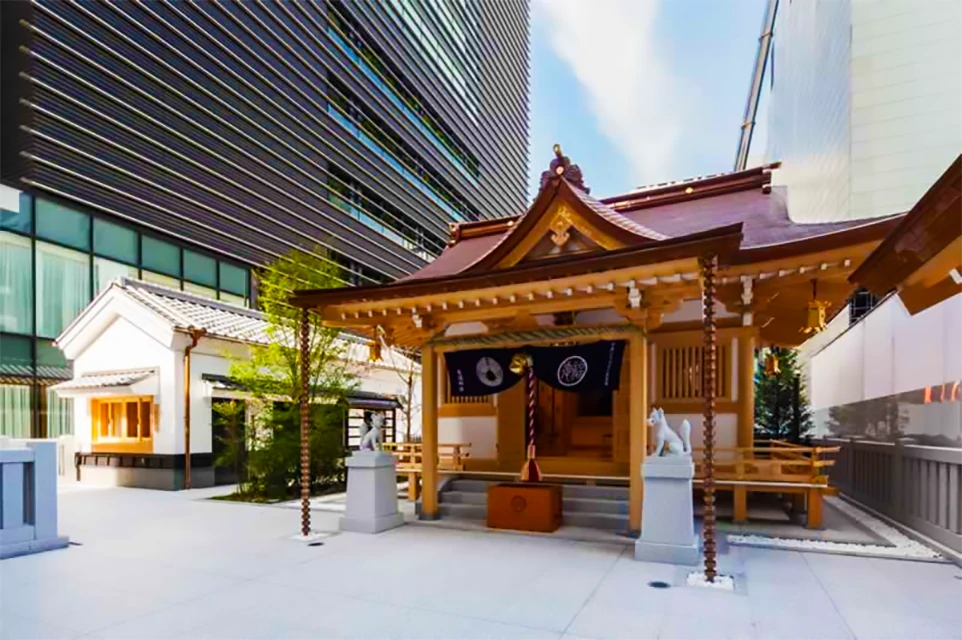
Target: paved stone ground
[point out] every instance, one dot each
(163, 565)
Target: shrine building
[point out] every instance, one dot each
(690, 278)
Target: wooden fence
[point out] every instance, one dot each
(918, 486)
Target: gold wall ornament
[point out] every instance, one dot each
(560, 225)
(374, 351)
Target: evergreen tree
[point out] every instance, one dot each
(781, 405)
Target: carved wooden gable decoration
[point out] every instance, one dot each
(564, 220)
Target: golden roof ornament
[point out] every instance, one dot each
(771, 363)
(562, 167)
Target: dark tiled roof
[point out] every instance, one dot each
(458, 257)
(616, 218)
(764, 217)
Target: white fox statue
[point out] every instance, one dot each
(667, 442)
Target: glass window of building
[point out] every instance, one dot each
(199, 268)
(114, 241)
(62, 225)
(162, 257)
(233, 279)
(15, 410)
(59, 415)
(16, 284)
(106, 271)
(63, 287)
(161, 279)
(16, 361)
(200, 290)
(20, 220)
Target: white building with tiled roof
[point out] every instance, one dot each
(128, 388)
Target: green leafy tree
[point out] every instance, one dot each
(781, 405)
(272, 378)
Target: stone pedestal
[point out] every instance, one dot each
(667, 517)
(371, 493)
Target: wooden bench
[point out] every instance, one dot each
(408, 455)
(779, 467)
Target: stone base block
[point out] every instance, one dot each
(369, 525)
(684, 554)
(14, 549)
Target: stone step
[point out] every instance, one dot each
(606, 521)
(464, 497)
(463, 511)
(589, 505)
(595, 492)
(473, 486)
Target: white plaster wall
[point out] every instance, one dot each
(209, 357)
(480, 431)
(122, 345)
(889, 352)
(726, 429)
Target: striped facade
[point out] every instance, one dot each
(251, 128)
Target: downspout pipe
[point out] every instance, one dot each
(195, 336)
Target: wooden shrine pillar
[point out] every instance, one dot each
(429, 433)
(637, 430)
(746, 390)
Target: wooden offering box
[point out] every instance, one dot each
(528, 506)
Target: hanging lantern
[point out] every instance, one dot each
(521, 364)
(374, 351)
(771, 363)
(815, 321)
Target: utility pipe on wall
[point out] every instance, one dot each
(195, 336)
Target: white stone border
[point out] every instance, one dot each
(721, 583)
(902, 546)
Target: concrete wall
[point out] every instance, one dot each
(809, 107)
(906, 104)
(864, 105)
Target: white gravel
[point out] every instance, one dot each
(721, 583)
(900, 545)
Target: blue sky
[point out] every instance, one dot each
(640, 91)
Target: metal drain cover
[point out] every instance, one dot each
(316, 543)
(658, 584)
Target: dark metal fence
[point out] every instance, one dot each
(918, 486)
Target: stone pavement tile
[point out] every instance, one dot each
(876, 624)
(18, 627)
(76, 605)
(692, 626)
(598, 620)
(808, 628)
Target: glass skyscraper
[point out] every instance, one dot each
(187, 142)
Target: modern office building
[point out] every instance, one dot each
(186, 142)
(859, 101)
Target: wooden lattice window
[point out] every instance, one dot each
(681, 375)
(124, 423)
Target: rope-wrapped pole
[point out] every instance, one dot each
(305, 353)
(530, 472)
(709, 377)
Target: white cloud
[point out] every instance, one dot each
(610, 46)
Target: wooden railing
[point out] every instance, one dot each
(778, 467)
(408, 457)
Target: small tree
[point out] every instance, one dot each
(781, 405)
(272, 377)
